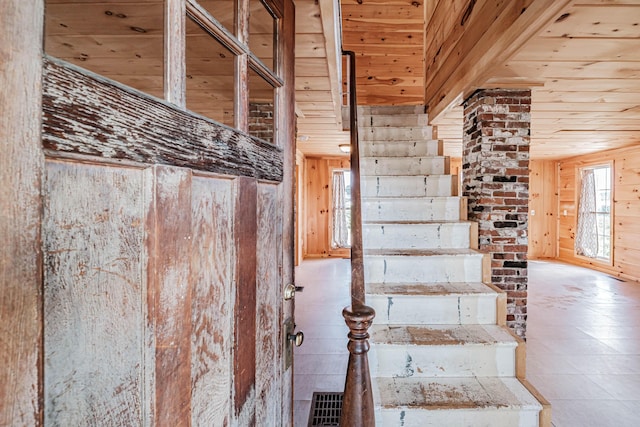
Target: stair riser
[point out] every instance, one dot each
(416, 236)
(401, 148)
(390, 110)
(434, 310)
(494, 417)
(376, 166)
(425, 269)
(466, 360)
(428, 209)
(397, 120)
(395, 133)
(409, 186)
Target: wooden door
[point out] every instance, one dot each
(167, 244)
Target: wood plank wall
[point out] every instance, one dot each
(543, 209)
(626, 242)
(316, 206)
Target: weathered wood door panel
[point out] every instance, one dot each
(269, 305)
(212, 305)
(161, 286)
(95, 311)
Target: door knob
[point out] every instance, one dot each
(297, 338)
(289, 292)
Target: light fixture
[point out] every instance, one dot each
(345, 148)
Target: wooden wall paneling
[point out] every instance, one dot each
(626, 210)
(21, 171)
(212, 269)
(170, 280)
(315, 207)
(303, 206)
(455, 168)
(244, 354)
(269, 364)
(120, 123)
(388, 37)
(318, 209)
(95, 318)
(543, 199)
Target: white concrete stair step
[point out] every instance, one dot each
(401, 133)
(410, 148)
(455, 303)
(377, 166)
(390, 110)
(409, 186)
(419, 235)
(483, 401)
(412, 209)
(423, 266)
(393, 120)
(442, 351)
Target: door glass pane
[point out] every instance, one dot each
(210, 75)
(262, 32)
(119, 39)
(261, 108)
(222, 10)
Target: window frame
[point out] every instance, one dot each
(348, 207)
(244, 58)
(579, 172)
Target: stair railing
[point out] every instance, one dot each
(357, 405)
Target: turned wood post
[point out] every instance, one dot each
(357, 405)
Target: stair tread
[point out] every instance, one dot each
(438, 288)
(417, 222)
(455, 393)
(422, 252)
(408, 198)
(440, 335)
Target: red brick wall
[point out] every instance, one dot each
(495, 168)
(261, 120)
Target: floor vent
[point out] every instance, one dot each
(325, 409)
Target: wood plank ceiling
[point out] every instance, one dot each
(584, 70)
(318, 105)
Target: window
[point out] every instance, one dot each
(593, 235)
(210, 80)
(341, 209)
(262, 32)
(261, 111)
(228, 71)
(121, 40)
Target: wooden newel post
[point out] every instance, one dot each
(357, 404)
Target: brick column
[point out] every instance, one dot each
(495, 168)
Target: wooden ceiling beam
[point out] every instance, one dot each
(486, 38)
(329, 16)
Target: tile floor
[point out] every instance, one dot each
(583, 346)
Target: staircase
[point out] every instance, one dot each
(440, 353)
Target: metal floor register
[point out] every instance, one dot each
(326, 409)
